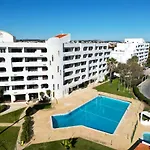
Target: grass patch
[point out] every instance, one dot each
(132, 136)
(8, 138)
(11, 117)
(112, 88)
(80, 145)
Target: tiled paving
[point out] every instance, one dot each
(121, 139)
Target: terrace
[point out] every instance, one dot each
(122, 135)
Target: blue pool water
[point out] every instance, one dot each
(101, 113)
(146, 137)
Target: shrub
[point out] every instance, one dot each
(140, 96)
(48, 92)
(30, 111)
(106, 77)
(27, 129)
(42, 94)
(3, 108)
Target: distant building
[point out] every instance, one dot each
(28, 67)
(131, 47)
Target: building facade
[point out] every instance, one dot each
(28, 67)
(131, 47)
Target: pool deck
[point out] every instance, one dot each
(121, 139)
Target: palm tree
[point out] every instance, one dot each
(111, 64)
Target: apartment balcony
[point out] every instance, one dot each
(38, 73)
(35, 64)
(74, 76)
(2, 64)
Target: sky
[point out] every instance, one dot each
(84, 19)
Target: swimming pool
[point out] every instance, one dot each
(101, 113)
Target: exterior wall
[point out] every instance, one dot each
(131, 47)
(6, 37)
(87, 60)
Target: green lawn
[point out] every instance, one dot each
(112, 88)
(80, 145)
(11, 117)
(8, 138)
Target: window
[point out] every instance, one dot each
(90, 48)
(53, 86)
(44, 68)
(17, 78)
(58, 86)
(52, 77)
(84, 48)
(43, 50)
(30, 59)
(44, 86)
(15, 50)
(2, 59)
(17, 69)
(77, 71)
(85, 55)
(32, 68)
(6, 88)
(77, 56)
(2, 69)
(52, 58)
(77, 49)
(45, 77)
(29, 50)
(2, 50)
(57, 68)
(44, 59)
(4, 79)
(18, 87)
(32, 86)
(15, 59)
(49, 62)
(32, 78)
(58, 53)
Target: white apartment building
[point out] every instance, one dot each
(131, 47)
(28, 67)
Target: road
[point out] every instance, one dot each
(144, 88)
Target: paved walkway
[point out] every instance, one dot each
(13, 107)
(9, 124)
(120, 140)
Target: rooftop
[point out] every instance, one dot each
(60, 35)
(142, 146)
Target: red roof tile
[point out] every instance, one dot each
(142, 147)
(60, 35)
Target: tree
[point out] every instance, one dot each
(122, 69)
(111, 63)
(42, 94)
(135, 71)
(48, 92)
(134, 59)
(1, 93)
(130, 73)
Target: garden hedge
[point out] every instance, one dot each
(140, 96)
(3, 108)
(27, 129)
